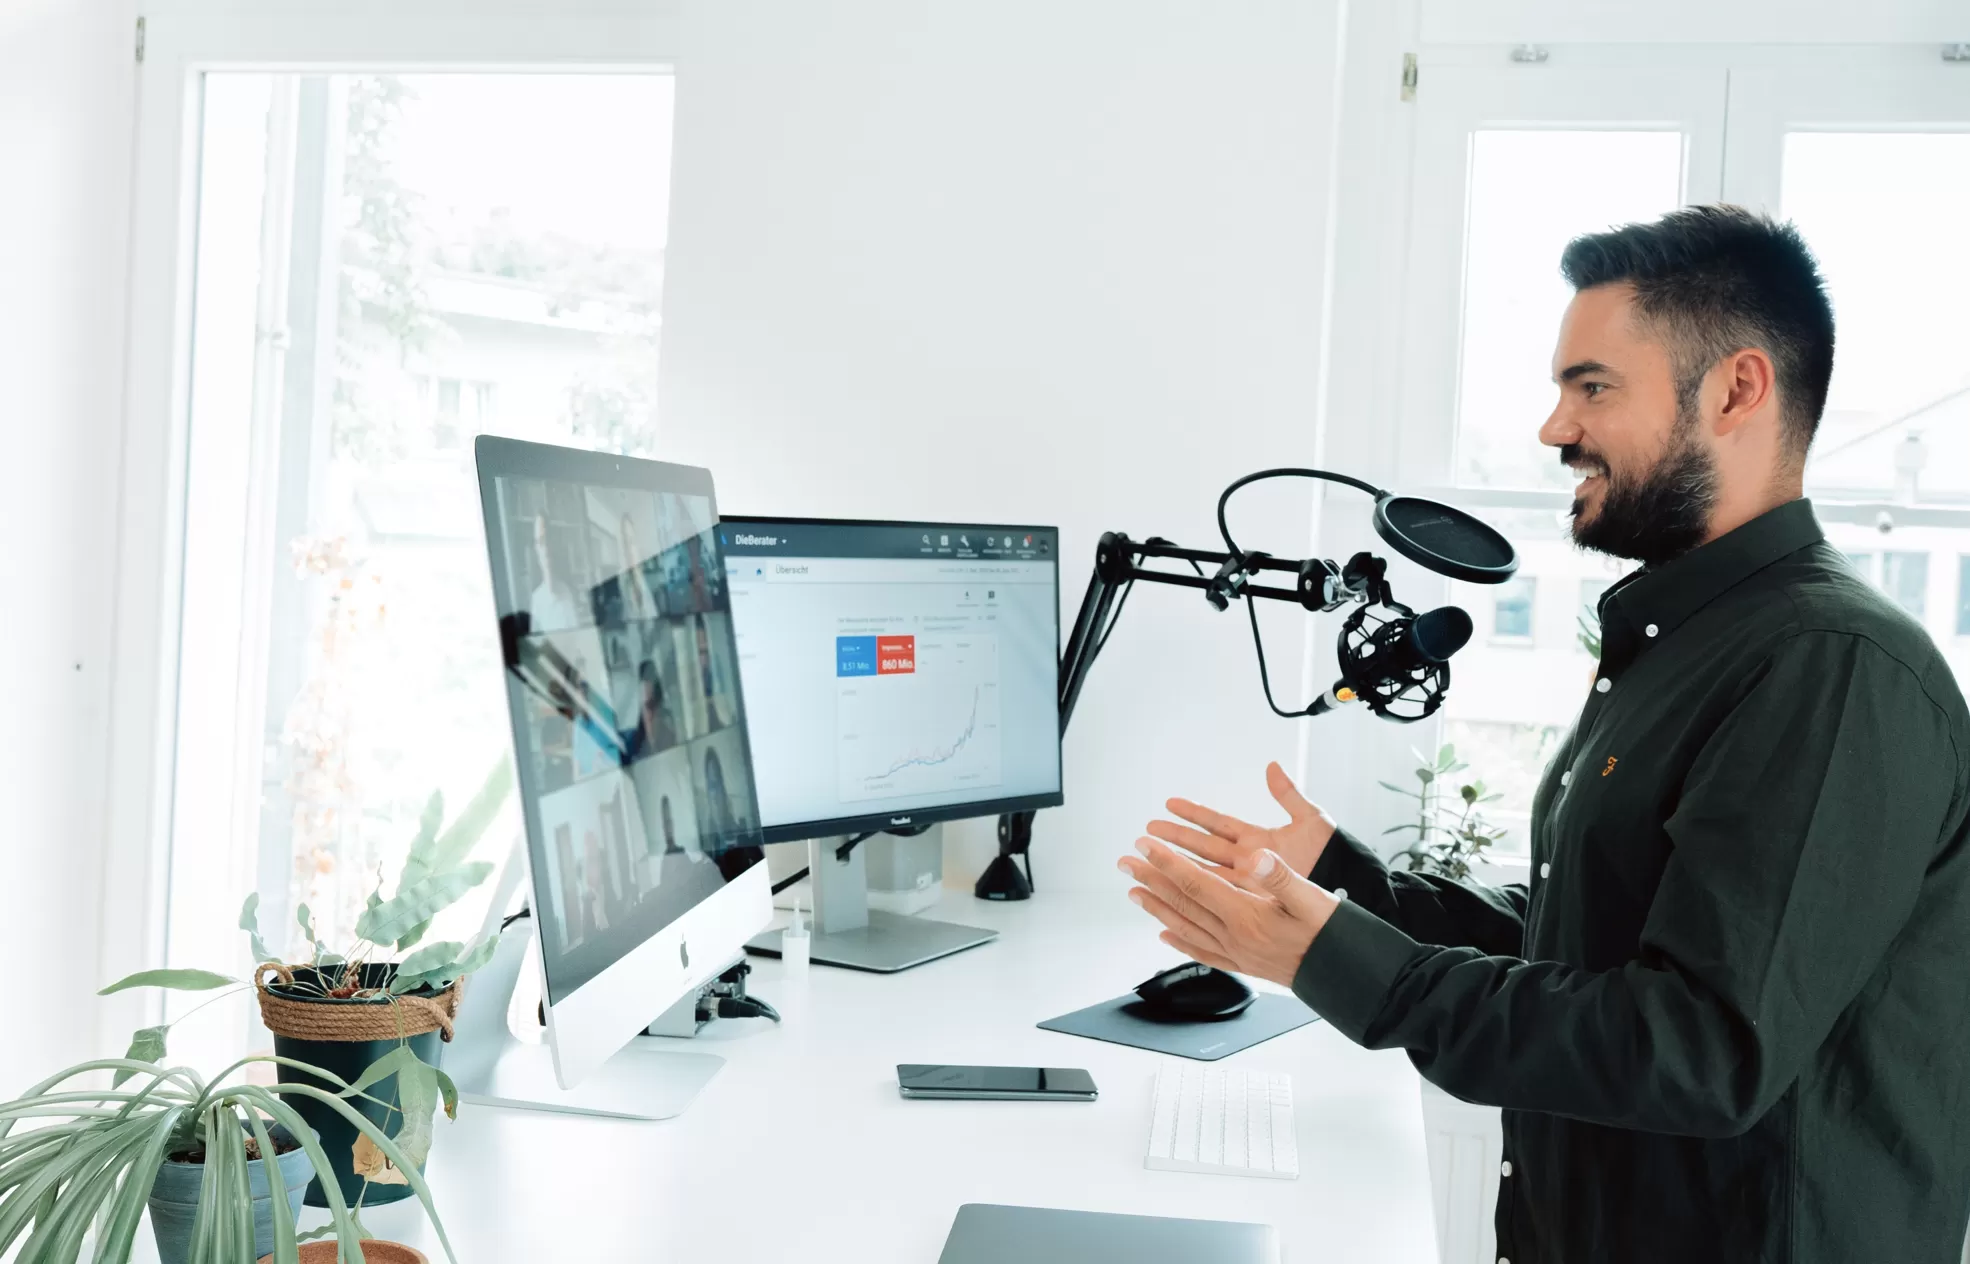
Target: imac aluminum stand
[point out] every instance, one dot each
(848, 933)
(492, 1067)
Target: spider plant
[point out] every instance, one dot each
(88, 1156)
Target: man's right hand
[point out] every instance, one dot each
(1225, 840)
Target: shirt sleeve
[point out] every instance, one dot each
(1799, 846)
(1432, 909)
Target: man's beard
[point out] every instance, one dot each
(1659, 516)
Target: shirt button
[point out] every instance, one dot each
(1503, 1260)
(1566, 778)
(1544, 869)
(1505, 1168)
(1340, 893)
(1603, 685)
(1651, 629)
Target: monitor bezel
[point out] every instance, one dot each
(881, 822)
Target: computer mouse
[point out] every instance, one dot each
(1194, 993)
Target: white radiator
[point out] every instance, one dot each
(1465, 1146)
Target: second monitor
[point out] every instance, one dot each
(898, 674)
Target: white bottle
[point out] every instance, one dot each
(795, 944)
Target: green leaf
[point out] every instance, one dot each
(447, 1093)
(478, 955)
(1469, 794)
(474, 958)
(249, 921)
(394, 918)
(421, 861)
(284, 1240)
(431, 957)
(413, 936)
(381, 1069)
(147, 1045)
(307, 923)
(458, 840)
(1446, 756)
(417, 1098)
(179, 980)
(1425, 775)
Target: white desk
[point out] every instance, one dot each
(801, 1150)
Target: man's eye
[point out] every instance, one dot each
(1593, 389)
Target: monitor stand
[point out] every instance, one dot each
(492, 1067)
(848, 933)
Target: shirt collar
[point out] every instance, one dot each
(1662, 598)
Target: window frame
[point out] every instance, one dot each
(1387, 201)
(183, 40)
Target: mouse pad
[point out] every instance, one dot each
(1122, 1021)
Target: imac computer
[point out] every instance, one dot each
(902, 674)
(634, 766)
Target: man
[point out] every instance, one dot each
(552, 603)
(1728, 1017)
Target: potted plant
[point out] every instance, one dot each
(196, 1152)
(1448, 837)
(336, 1016)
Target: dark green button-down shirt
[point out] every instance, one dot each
(1729, 1018)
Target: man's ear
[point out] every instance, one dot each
(1748, 383)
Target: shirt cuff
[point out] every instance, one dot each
(1348, 970)
(1347, 862)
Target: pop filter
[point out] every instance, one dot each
(1446, 540)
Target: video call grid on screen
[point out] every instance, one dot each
(912, 669)
(629, 725)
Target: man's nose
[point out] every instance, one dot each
(1560, 429)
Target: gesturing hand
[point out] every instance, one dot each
(1257, 917)
(1226, 840)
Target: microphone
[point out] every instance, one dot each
(1400, 667)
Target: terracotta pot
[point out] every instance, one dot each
(375, 1251)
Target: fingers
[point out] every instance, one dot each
(1286, 794)
(1148, 902)
(1197, 952)
(1202, 895)
(1171, 895)
(1211, 847)
(1264, 873)
(1216, 822)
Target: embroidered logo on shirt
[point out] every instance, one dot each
(1611, 762)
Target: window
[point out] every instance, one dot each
(1897, 423)
(490, 250)
(1905, 578)
(1527, 201)
(1867, 150)
(1587, 631)
(1963, 595)
(1512, 606)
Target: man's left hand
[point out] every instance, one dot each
(1257, 917)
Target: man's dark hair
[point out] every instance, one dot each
(1712, 280)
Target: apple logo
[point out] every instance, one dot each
(684, 954)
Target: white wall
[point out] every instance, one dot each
(66, 109)
(1022, 261)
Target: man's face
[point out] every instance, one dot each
(1647, 482)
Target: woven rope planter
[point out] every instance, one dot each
(347, 1019)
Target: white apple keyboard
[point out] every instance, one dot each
(1227, 1121)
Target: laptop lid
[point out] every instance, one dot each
(989, 1233)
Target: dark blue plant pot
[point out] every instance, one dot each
(348, 1059)
(174, 1200)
